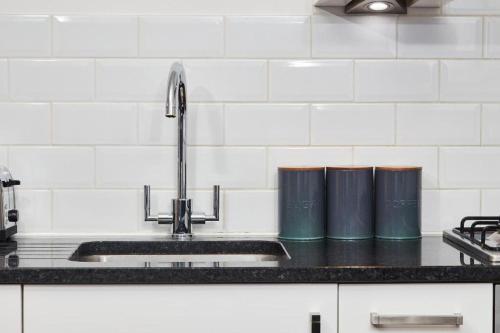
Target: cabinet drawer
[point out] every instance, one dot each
(10, 309)
(416, 308)
(183, 309)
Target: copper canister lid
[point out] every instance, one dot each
(301, 168)
(350, 167)
(399, 168)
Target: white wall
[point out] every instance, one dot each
(82, 85)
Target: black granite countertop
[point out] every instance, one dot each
(429, 260)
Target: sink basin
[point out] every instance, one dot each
(180, 251)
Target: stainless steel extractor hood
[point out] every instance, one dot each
(378, 6)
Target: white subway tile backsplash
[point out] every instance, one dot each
(94, 123)
(25, 35)
(132, 79)
(95, 36)
(35, 207)
(492, 42)
(174, 7)
(353, 36)
(425, 157)
(438, 124)
(489, 202)
(268, 36)
(25, 123)
(251, 212)
(52, 80)
(95, 211)
(470, 80)
(205, 125)
(468, 7)
(352, 124)
(311, 80)
(267, 124)
(53, 167)
(440, 37)
(228, 167)
(469, 167)
(310, 156)
(443, 209)
(226, 80)
(396, 80)
(85, 134)
(490, 121)
(133, 167)
(4, 80)
(181, 36)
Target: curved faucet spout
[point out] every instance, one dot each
(176, 91)
(177, 107)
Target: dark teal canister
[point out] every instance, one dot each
(398, 197)
(349, 193)
(301, 203)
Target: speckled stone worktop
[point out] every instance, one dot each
(46, 261)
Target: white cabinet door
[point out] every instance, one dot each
(473, 301)
(179, 309)
(10, 309)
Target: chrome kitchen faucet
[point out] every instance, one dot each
(181, 217)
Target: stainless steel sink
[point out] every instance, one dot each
(180, 251)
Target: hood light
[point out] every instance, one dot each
(379, 6)
(374, 7)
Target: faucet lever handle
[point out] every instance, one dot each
(216, 201)
(202, 218)
(160, 218)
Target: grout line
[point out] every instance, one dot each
(439, 81)
(438, 162)
(481, 110)
(95, 99)
(256, 102)
(231, 189)
(249, 59)
(484, 37)
(138, 111)
(95, 166)
(51, 30)
(396, 114)
(52, 208)
(268, 165)
(138, 41)
(354, 81)
(310, 114)
(311, 36)
(252, 146)
(224, 37)
(8, 64)
(398, 18)
(268, 81)
(51, 123)
(224, 122)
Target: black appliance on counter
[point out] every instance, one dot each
(9, 214)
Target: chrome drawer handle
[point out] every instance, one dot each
(379, 320)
